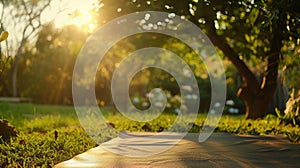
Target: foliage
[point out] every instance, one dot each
(49, 62)
(290, 65)
(3, 36)
(172, 106)
(23, 18)
(3, 59)
(270, 125)
(50, 65)
(292, 112)
(243, 30)
(147, 79)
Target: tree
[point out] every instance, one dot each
(242, 30)
(24, 16)
(49, 65)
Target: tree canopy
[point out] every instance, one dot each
(240, 29)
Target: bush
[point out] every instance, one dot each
(291, 113)
(173, 104)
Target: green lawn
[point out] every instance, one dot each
(37, 146)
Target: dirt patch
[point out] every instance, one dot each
(7, 131)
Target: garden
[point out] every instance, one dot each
(49, 51)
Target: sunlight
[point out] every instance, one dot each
(82, 19)
(75, 12)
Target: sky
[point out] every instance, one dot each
(62, 18)
(68, 6)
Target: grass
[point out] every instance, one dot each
(43, 150)
(38, 146)
(270, 125)
(29, 116)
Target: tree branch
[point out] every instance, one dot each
(248, 77)
(271, 73)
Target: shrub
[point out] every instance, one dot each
(291, 113)
(173, 104)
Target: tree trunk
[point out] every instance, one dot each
(256, 103)
(15, 67)
(256, 96)
(14, 80)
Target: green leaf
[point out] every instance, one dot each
(253, 16)
(278, 113)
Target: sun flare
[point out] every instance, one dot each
(77, 12)
(83, 19)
